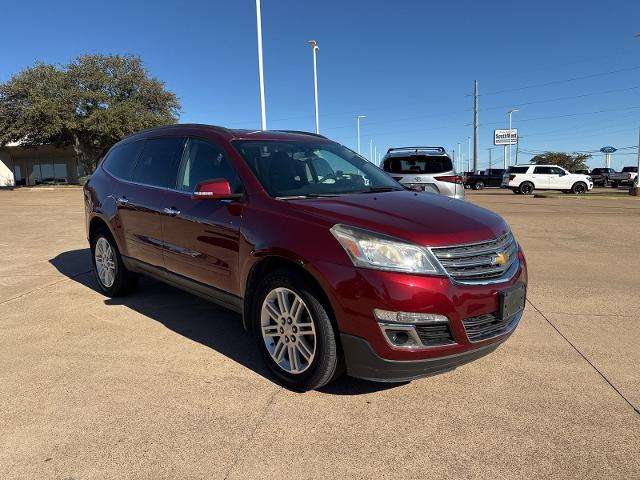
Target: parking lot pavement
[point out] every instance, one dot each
(164, 385)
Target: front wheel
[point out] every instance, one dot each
(579, 188)
(478, 186)
(294, 332)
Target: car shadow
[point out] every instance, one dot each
(197, 319)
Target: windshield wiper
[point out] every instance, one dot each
(379, 190)
(307, 195)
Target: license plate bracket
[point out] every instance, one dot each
(512, 301)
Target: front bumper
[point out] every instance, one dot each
(363, 362)
(356, 292)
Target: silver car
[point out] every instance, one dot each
(424, 168)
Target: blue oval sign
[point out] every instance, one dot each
(608, 149)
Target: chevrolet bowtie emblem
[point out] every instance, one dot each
(501, 258)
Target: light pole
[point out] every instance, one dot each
(358, 117)
(371, 157)
(263, 122)
(511, 112)
(316, 49)
(490, 151)
(468, 154)
(459, 157)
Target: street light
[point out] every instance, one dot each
(358, 117)
(263, 121)
(316, 49)
(510, 113)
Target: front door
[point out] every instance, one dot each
(202, 237)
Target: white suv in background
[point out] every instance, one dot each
(524, 179)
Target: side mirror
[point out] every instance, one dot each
(216, 189)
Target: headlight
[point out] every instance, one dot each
(373, 250)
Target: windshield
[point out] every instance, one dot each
(289, 169)
(418, 164)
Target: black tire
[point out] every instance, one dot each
(526, 188)
(516, 191)
(614, 184)
(125, 281)
(479, 185)
(579, 188)
(327, 363)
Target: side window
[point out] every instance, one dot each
(201, 161)
(543, 170)
(158, 162)
(557, 171)
(122, 158)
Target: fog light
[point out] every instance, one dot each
(408, 317)
(401, 336)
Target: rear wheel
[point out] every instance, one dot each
(526, 188)
(294, 331)
(112, 276)
(579, 188)
(614, 184)
(479, 185)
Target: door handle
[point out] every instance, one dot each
(171, 211)
(121, 201)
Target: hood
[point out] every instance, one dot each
(423, 218)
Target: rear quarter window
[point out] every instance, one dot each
(518, 169)
(418, 164)
(122, 158)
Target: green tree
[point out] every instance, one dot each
(88, 104)
(564, 160)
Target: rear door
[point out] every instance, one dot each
(541, 176)
(202, 236)
(140, 205)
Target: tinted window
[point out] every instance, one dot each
(158, 162)
(556, 171)
(543, 170)
(310, 168)
(418, 164)
(630, 169)
(122, 159)
(205, 161)
(518, 169)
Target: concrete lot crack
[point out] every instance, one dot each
(22, 295)
(248, 440)
(604, 377)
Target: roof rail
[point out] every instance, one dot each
(437, 149)
(301, 132)
(178, 125)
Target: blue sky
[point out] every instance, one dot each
(571, 67)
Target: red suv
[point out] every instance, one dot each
(333, 265)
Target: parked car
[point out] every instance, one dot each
(424, 168)
(600, 176)
(627, 176)
(524, 179)
(582, 171)
(332, 264)
(491, 177)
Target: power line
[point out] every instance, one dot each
(565, 80)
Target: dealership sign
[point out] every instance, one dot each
(505, 137)
(608, 149)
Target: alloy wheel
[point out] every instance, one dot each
(288, 330)
(105, 259)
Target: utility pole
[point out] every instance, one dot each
(504, 160)
(371, 157)
(475, 126)
(517, 149)
(511, 112)
(459, 157)
(263, 114)
(468, 153)
(375, 151)
(490, 150)
(316, 49)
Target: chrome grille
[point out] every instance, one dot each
(478, 262)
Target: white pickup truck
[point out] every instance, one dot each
(627, 176)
